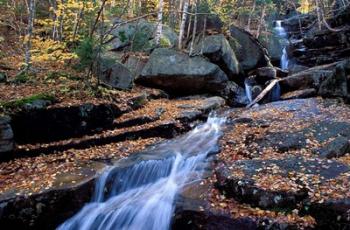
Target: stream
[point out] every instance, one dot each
(282, 34)
(142, 195)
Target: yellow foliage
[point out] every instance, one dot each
(305, 7)
(49, 50)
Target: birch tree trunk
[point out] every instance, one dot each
(54, 19)
(194, 32)
(183, 23)
(31, 15)
(77, 22)
(131, 9)
(159, 23)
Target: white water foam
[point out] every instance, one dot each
(142, 196)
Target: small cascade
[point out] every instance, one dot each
(248, 90)
(275, 94)
(142, 195)
(284, 59)
(282, 34)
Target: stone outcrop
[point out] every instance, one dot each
(139, 36)
(115, 74)
(6, 135)
(48, 209)
(57, 123)
(179, 74)
(246, 186)
(250, 53)
(328, 80)
(218, 50)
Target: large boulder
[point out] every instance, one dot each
(309, 78)
(115, 74)
(274, 46)
(219, 51)
(234, 95)
(292, 24)
(136, 64)
(336, 85)
(177, 73)
(250, 53)
(139, 36)
(213, 23)
(6, 135)
(329, 80)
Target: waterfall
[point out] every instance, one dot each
(282, 34)
(284, 59)
(142, 195)
(275, 94)
(248, 90)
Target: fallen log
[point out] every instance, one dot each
(263, 93)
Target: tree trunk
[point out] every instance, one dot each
(31, 15)
(60, 33)
(189, 27)
(159, 23)
(77, 22)
(204, 32)
(97, 18)
(131, 9)
(261, 21)
(318, 11)
(54, 19)
(183, 23)
(194, 32)
(250, 16)
(172, 16)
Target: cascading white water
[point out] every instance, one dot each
(284, 59)
(275, 94)
(248, 90)
(281, 32)
(142, 195)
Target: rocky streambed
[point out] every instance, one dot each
(283, 165)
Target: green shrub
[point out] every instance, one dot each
(86, 52)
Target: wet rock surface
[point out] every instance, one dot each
(48, 209)
(299, 94)
(276, 161)
(50, 124)
(244, 180)
(264, 177)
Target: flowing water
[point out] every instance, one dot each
(248, 90)
(275, 94)
(142, 195)
(284, 59)
(282, 34)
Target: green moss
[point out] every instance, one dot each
(17, 104)
(165, 42)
